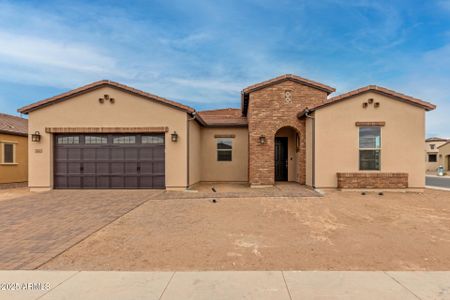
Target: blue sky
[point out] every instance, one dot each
(203, 53)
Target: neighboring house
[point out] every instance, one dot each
(444, 156)
(13, 150)
(432, 152)
(109, 135)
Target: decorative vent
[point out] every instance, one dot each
(370, 102)
(287, 96)
(106, 98)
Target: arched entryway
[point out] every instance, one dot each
(287, 147)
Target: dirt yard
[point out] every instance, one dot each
(341, 231)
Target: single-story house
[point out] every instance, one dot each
(444, 156)
(109, 135)
(432, 152)
(13, 150)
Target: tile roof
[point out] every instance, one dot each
(379, 90)
(435, 139)
(13, 125)
(223, 117)
(99, 84)
(292, 77)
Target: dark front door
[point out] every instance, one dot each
(281, 158)
(107, 161)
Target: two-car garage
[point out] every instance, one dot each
(106, 161)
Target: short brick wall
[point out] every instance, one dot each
(372, 180)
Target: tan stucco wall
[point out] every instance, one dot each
(195, 158)
(127, 111)
(444, 157)
(309, 151)
(290, 133)
(235, 170)
(337, 144)
(18, 172)
(431, 166)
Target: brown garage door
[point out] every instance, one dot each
(107, 161)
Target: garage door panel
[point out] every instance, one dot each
(131, 154)
(74, 182)
(89, 154)
(60, 168)
(103, 182)
(60, 181)
(117, 154)
(117, 181)
(73, 154)
(131, 182)
(158, 153)
(74, 167)
(102, 153)
(89, 168)
(131, 168)
(146, 153)
(117, 168)
(89, 182)
(61, 153)
(159, 181)
(120, 161)
(102, 168)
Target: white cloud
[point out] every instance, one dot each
(28, 50)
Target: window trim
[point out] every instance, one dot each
(373, 149)
(2, 148)
(224, 150)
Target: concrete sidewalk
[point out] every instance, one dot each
(224, 285)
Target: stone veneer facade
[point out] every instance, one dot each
(364, 180)
(268, 111)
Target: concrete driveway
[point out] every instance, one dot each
(36, 227)
(435, 181)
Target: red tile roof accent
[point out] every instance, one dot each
(380, 90)
(435, 139)
(292, 77)
(13, 125)
(223, 117)
(96, 85)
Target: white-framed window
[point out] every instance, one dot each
(369, 148)
(224, 149)
(8, 154)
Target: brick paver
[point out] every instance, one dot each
(37, 227)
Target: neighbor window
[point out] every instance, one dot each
(224, 149)
(432, 146)
(369, 148)
(8, 153)
(432, 157)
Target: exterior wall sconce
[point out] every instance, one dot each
(36, 137)
(262, 139)
(174, 137)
